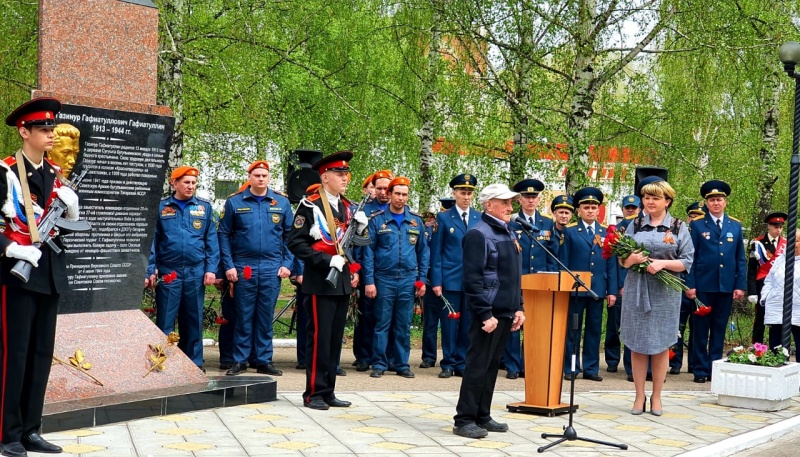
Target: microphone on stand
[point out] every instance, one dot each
(527, 226)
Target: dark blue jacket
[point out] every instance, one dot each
(720, 264)
(184, 237)
(580, 252)
(492, 270)
(446, 250)
(396, 251)
(534, 259)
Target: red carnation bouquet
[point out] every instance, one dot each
(451, 312)
(622, 246)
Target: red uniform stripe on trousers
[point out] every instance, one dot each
(5, 361)
(314, 316)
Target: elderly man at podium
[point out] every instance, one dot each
(492, 287)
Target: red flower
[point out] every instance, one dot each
(611, 239)
(671, 354)
(419, 284)
(221, 320)
(169, 277)
(149, 310)
(247, 272)
(702, 310)
(354, 267)
(453, 315)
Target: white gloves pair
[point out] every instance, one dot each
(337, 262)
(70, 199)
(361, 218)
(28, 253)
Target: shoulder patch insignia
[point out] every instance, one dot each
(299, 221)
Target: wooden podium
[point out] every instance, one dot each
(546, 298)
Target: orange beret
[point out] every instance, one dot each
(185, 170)
(313, 189)
(382, 174)
(367, 181)
(399, 181)
(258, 164)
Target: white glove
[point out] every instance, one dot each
(337, 262)
(70, 198)
(361, 218)
(752, 298)
(27, 253)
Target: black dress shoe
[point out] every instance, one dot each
(225, 366)
(237, 368)
(336, 403)
(521, 374)
(675, 370)
(445, 373)
(376, 374)
(340, 372)
(570, 376)
(512, 375)
(35, 443)
(470, 431)
(494, 426)
(427, 364)
(362, 366)
(611, 369)
(592, 377)
(405, 373)
(317, 403)
(269, 369)
(14, 449)
(458, 373)
(700, 379)
(300, 366)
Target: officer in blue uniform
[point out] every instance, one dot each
(185, 242)
(365, 327)
(534, 258)
(693, 211)
(395, 270)
(446, 275)
(583, 251)
(253, 231)
(432, 305)
(630, 210)
(562, 210)
(718, 275)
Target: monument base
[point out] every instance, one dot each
(119, 385)
(549, 411)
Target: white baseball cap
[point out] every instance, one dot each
(499, 191)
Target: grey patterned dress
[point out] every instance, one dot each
(650, 309)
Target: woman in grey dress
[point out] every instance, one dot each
(650, 309)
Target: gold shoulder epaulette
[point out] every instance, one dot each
(734, 219)
(698, 218)
(632, 216)
(546, 215)
(572, 224)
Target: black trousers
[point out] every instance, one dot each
(28, 331)
(480, 372)
(776, 335)
(327, 315)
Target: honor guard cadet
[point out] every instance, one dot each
(630, 210)
(395, 270)
(718, 276)
(687, 308)
(28, 184)
(432, 305)
(764, 249)
(583, 251)
(365, 327)
(185, 242)
(562, 210)
(534, 259)
(319, 224)
(253, 232)
(446, 271)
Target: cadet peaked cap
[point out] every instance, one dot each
(447, 203)
(258, 164)
(695, 209)
(498, 191)
(382, 174)
(631, 200)
(39, 111)
(464, 181)
(529, 187)
(591, 195)
(715, 188)
(776, 218)
(185, 170)
(338, 161)
(562, 201)
(399, 181)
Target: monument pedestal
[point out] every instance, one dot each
(546, 298)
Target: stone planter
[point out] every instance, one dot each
(755, 386)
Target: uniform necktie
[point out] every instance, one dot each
(589, 229)
(530, 220)
(464, 218)
(719, 223)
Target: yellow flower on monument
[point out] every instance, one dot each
(173, 337)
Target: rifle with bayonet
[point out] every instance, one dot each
(53, 219)
(349, 239)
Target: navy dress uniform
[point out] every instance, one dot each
(29, 309)
(583, 251)
(446, 272)
(534, 260)
(397, 258)
(185, 242)
(763, 251)
(687, 308)
(432, 305)
(253, 232)
(560, 202)
(720, 269)
(311, 241)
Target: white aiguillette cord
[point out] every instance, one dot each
(26, 197)
(329, 219)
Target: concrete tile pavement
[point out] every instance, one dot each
(420, 424)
